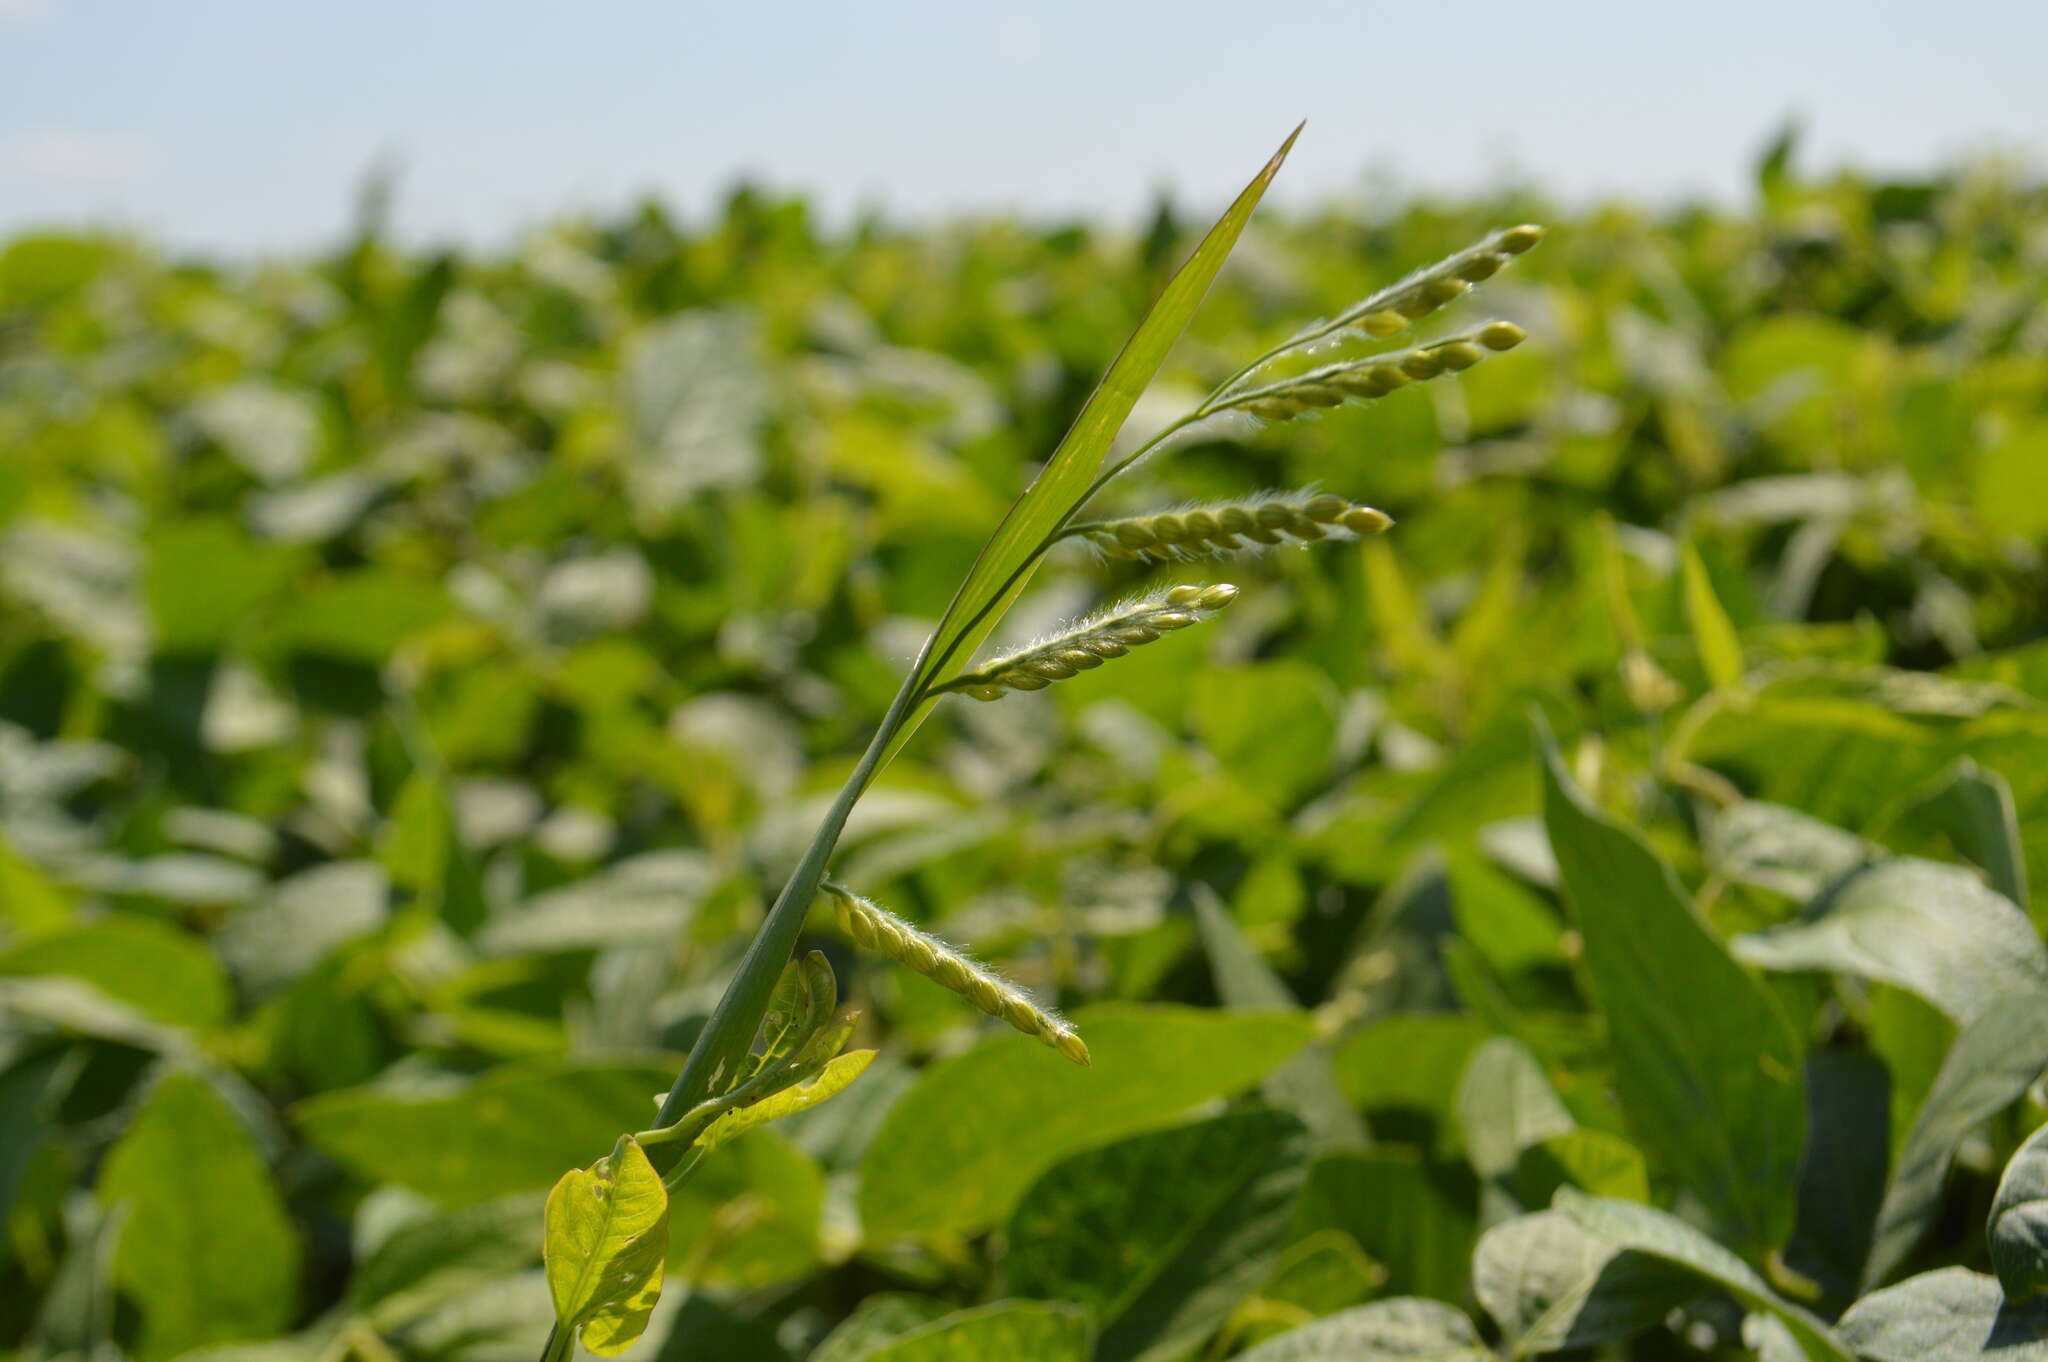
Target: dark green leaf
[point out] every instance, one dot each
(1708, 1070)
(1163, 1233)
(2018, 1228)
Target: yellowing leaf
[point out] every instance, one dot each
(1713, 635)
(605, 1242)
(791, 1100)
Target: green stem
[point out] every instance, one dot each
(560, 1342)
(724, 1042)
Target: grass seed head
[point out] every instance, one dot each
(881, 931)
(1233, 526)
(1110, 634)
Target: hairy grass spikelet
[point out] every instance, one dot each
(1362, 380)
(1228, 526)
(1394, 308)
(1093, 641)
(881, 931)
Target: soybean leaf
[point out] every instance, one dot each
(465, 1142)
(1649, 1231)
(1004, 567)
(207, 1251)
(829, 1082)
(1992, 1062)
(962, 1145)
(749, 1215)
(161, 972)
(703, 1330)
(2018, 1228)
(24, 1087)
(1551, 1285)
(1304, 1085)
(1323, 1273)
(1505, 1104)
(605, 1242)
(435, 1259)
(1713, 635)
(1393, 1070)
(1953, 1315)
(1590, 1160)
(1006, 1331)
(1272, 725)
(1781, 849)
(1164, 1233)
(1935, 930)
(1708, 1070)
(875, 1321)
(1974, 809)
(1398, 1211)
(1399, 1330)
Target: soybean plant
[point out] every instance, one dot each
(773, 1044)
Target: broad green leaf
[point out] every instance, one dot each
(1973, 808)
(1323, 1273)
(1935, 930)
(879, 1319)
(1953, 1315)
(1551, 1285)
(749, 1216)
(1272, 725)
(1399, 1211)
(605, 1242)
(1708, 1070)
(77, 1314)
(1305, 1085)
(437, 1258)
(1783, 850)
(1993, 1061)
(829, 1083)
(1393, 1069)
(1591, 1160)
(1713, 635)
(1004, 567)
(204, 578)
(704, 1329)
(2018, 1228)
(1161, 1234)
(962, 1145)
(1505, 1105)
(207, 1250)
(300, 921)
(1656, 1234)
(1399, 1330)
(161, 972)
(29, 899)
(513, 1129)
(424, 851)
(1007, 1331)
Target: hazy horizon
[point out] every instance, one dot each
(235, 128)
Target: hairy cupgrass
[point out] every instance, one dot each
(789, 1004)
(879, 930)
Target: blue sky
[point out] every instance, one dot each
(239, 126)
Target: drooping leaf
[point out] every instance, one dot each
(1161, 1234)
(1992, 1062)
(1952, 1315)
(1973, 808)
(1935, 930)
(207, 1250)
(1652, 1232)
(605, 1244)
(1398, 1330)
(2018, 1228)
(161, 972)
(1551, 1285)
(1708, 1070)
(962, 1145)
(1841, 1183)
(1003, 568)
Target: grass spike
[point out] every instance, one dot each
(1088, 644)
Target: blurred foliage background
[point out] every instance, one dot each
(416, 670)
